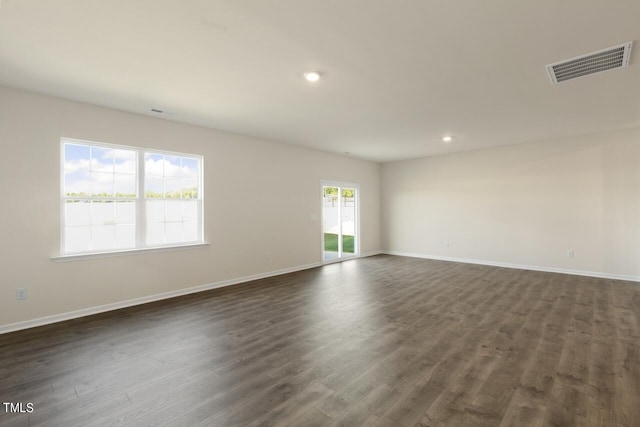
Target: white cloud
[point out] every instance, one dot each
(75, 165)
(162, 167)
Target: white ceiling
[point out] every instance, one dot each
(398, 74)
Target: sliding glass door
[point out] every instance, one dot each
(339, 220)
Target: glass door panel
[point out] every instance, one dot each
(348, 220)
(331, 223)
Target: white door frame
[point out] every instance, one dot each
(356, 240)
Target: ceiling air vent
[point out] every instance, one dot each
(591, 63)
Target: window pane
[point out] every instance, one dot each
(125, 161)
(153, 164)
(125, 236)
(125, 185)
(189, 167)
(103, 213)
(103, 237)
(155, 233)
(125, 212)
(77, 239)
(102, 184)
(190, 188)
(190, 231)
(77, 183)
(102, 159)
(174, 232)
(153, 187)
(173, 167)
(77, 212)
(173, 160)
(172, 188)
(173, 211)
(76, 157)
(155, 211)
(190, 210)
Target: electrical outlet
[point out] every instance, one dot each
(21, 293)
(571, 253)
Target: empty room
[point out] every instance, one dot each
(335, 213)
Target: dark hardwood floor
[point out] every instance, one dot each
(382, 341)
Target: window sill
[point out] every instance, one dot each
(95, 255)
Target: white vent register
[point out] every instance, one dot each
(591, 63)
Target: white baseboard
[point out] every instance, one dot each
(41, 321)
(143, 300)
(518, 266)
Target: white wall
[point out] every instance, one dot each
(270, 221)
(523, 204)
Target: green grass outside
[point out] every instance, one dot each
(331, 243)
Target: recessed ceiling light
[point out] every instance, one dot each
(447, 138)
(312, 76)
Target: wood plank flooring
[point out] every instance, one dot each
(379, 341)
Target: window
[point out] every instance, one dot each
(117, 198)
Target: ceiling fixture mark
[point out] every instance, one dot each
(591, 63)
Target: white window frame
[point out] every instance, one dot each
(140, 203)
